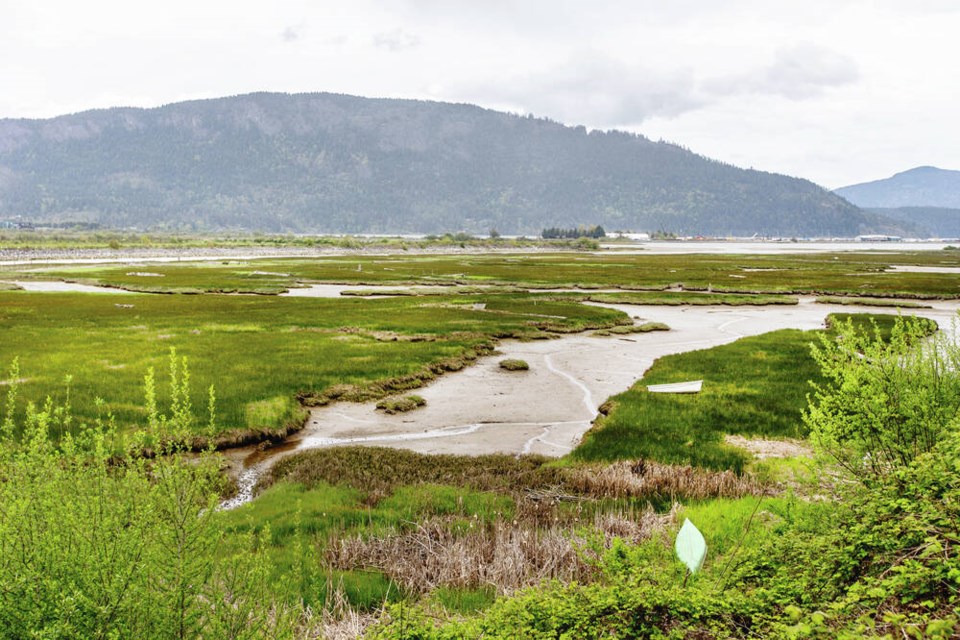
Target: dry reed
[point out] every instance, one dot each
(649, 479)
(504, 554)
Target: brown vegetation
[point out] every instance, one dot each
(507, 554)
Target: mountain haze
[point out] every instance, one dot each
(925, 222)
(919, 187)
(336, 163)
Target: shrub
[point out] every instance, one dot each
(884, 402)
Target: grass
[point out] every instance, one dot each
(458, 529)
(379, 472)
(756, 386)
(401, 405)
(871, 302)
(736, 276)
(514, 364)
(261, 353)
(695, 298)
(303, 523)
(623, 330)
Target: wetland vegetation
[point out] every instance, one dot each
(858, 274)
(397, 544)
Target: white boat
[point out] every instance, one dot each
(677, 387)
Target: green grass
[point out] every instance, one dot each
(401, 405)
(261, 353)
(378, 472)
(514, 364)
(871, 302)
(464, 601)
(623, 330)
(696, 298)
(302, 521)
(860, 274)
(756, 386)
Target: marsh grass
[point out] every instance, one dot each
(261, 353)
(514, 364)
(756, 386)
(871, 302)
(401, 405)
(378, 471)
(694, 298)
(625, 330)
(861, 274)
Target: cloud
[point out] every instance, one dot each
(601, 91)
(396, 40)
(597, 90)
(290, 34)
(796, 73)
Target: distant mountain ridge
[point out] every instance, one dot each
(335, 163)
(925, 222)
(926, 200)
(918, 187)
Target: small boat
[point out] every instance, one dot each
(677, 387)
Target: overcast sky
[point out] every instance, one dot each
(837, 91)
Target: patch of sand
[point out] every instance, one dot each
(64, 287)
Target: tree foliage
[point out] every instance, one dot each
(95, 543)
(334, 163)
(885, 401)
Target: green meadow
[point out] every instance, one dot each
(407, 545)
(260, 353)
(755, 387)
(861, 274)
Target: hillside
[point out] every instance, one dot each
(336, 163)
(919, 187)
(930, 222)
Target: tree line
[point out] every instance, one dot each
(553, 233)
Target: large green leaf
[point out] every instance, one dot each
(690, 546)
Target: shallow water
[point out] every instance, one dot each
(483, 409)
(64, 287)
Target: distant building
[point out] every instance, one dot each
(16, 224)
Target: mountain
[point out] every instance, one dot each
(927, 222)
(919, 187)
(335, 163)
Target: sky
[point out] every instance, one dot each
(835, 91)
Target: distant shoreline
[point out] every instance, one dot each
(25, 256)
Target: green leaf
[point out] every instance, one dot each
(690, 546)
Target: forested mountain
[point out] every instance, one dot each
(928, 222)
(919, 187)
(336, 163)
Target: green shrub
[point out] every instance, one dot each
(883, 402)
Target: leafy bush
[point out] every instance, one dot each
(99, 546)
(883, 402)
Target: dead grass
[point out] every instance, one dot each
(655, 481)
(507, 555)
(379, 471)
(337, 620)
